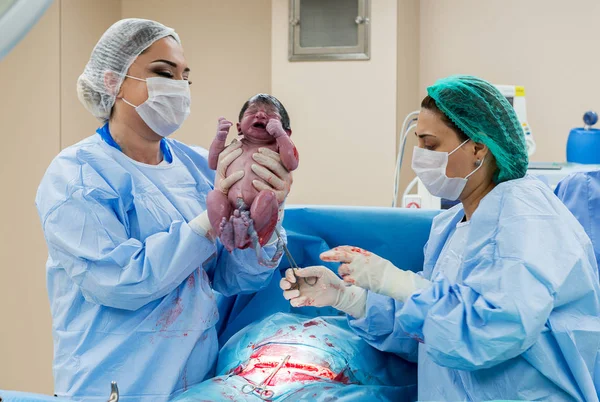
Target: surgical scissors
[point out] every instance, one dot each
(264, 393)
(293, 264)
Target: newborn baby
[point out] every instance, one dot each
(248, 214)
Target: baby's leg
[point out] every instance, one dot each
(219, 213)
(264, 211)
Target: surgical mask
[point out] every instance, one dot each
(430, 168)
(167, 106)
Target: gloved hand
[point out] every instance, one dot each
(327, 289)
(369, 271)
(271, 170)
(201, 224)
(232, 152)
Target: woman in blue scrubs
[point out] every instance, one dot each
(132, 259)
(507, 305)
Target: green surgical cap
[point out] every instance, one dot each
(481, 112)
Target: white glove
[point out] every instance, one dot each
(327, 289)
(271, 170)
(369, 271)
(201, 225)
(232, 152)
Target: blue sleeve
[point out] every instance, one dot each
(503, 297)
(381, 327)
(93, 246)
(574, 192)
(580, 192)
(240, 272)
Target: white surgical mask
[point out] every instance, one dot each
(167, 106)
(430, 168)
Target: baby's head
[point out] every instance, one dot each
(256, 113)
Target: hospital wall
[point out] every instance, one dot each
(407, 83)
(30, 129)
(343, 115)
(549, 47)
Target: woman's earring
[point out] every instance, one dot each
(477, 163)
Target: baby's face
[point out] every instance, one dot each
(255, 119)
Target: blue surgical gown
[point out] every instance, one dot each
(130, 284)
(580, 192)
(513, 309)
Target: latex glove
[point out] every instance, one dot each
(327, 290)
(275, 128)
(232, 152)
(201, 225)
(369, 271)
(271, 170)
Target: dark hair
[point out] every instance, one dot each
(429, 104)
(266, 99)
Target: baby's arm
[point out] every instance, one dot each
(218, 144)
(287, 149)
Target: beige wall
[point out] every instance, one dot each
(343, 115)
(407, 82)
(30, 125)
(82, 24)
(550, 47)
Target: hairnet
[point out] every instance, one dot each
(485, 116)
(116, 50)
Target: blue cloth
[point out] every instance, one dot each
(17, 396)
(327, 362)
(130, 284)
(580, 192)
(521, 318)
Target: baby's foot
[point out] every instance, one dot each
(241, 222)
(227, 234)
